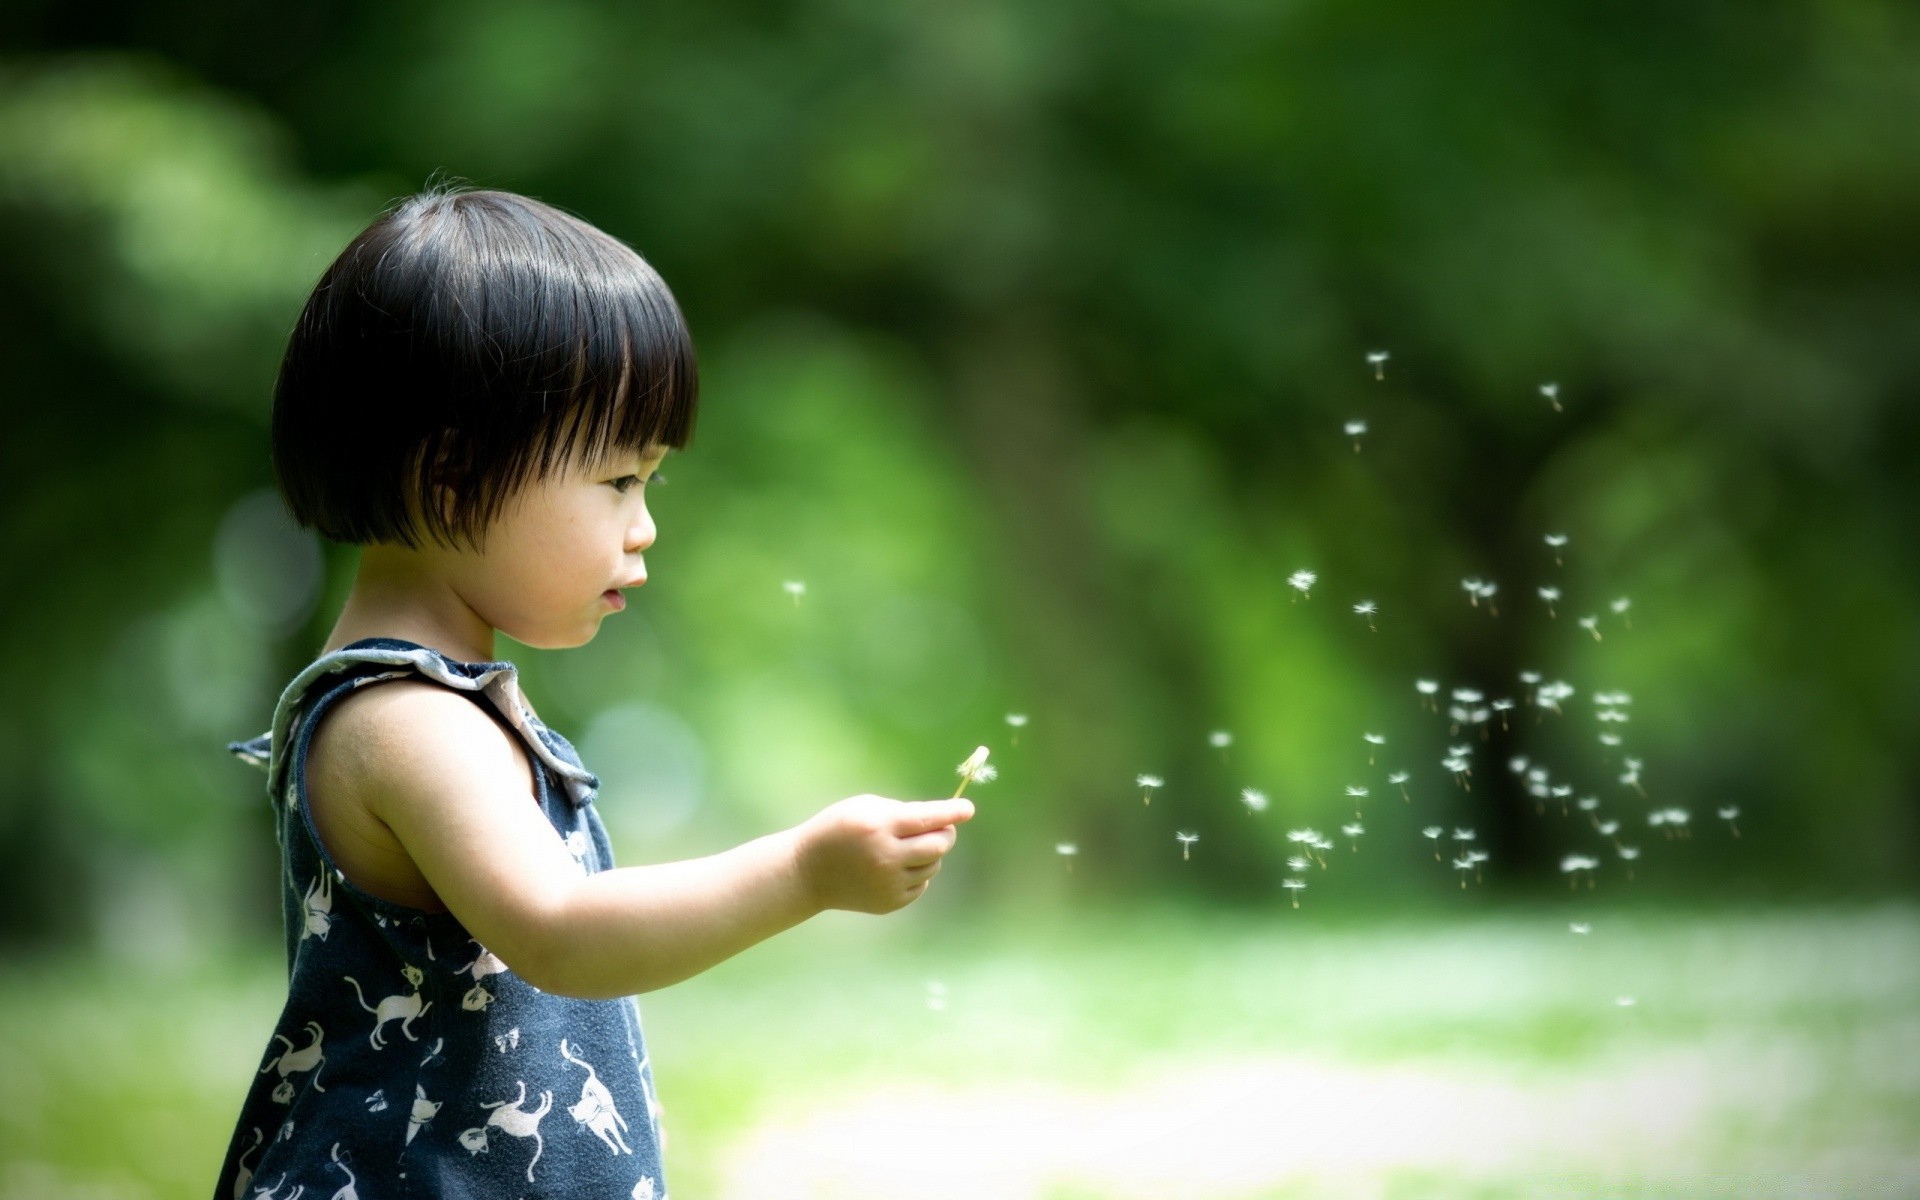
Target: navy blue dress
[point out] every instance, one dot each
(408, 1060)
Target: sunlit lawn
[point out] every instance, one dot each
(1152, 1053)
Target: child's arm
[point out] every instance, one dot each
(456, 788)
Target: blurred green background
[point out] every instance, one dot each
(1028, 334)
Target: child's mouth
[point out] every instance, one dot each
(619, 602)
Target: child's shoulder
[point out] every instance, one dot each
(401, 730)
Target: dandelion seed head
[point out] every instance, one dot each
(1016, 719)
(1556, 540)
(1463, 835)
(1550, 390)
(1357, 792)
(1517, 764)
(1376, 357)
(1366, 608)
(1186, 838)
(1579, 927)
(1468, 695)
(1629, 852)
(1621, 605)
(985, 773)
(1066, 849)
(1355, 428)
(1608, 828)
(1302, 579)
(974, 764)
(1549, 594)
(1377, 739)
(1625, 1001)
(1432, 831)
(1587, 803)
(1219, 739)
(1578, 862)
(1729, 812)
(1295, 885)
(1589, 623)
(1426, 687)
(1609, 739)
(794, 587)
(1353, 829)
(1148, 781)
(1254, 799)
(1529, 677)
(1399, 777)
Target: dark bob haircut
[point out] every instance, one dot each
(464, 345)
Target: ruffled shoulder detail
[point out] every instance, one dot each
(497, 681)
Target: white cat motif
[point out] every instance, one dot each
(514, 1120)
(423, 1112)
(317, 907)
(595, 1109)
(348, 1192)
(244, 1175)
(488, 963)
(307, 1058)
(394, 1008)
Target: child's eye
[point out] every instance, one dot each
(626, 482)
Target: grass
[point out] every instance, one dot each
(1146, 1053)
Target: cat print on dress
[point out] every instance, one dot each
(596, 1109)
(488, 963)
(515, 1120)
(273, 1193)
(394, 1008)
(318, 906)
(307, 1058)
(433, 1057)
(644, 1189)
(424, 1111)
(244, 1174)
(348, 1192)
(579, 845)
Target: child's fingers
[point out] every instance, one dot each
(919, 816)
(927, 847)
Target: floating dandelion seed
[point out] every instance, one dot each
(1463, 865)
(1503, 707)
(1432, 833)
(1399, 780)
(1609, 739)
(1587, 804)
(1728, 814)
(1428, 688)
(1573, 864)
(975, 768)
(1625, 1001)
(1220, 739)
(1464, 835)
(936, 999)
(1374, 741)
(1558, 541)
(1353, 830)
(1311, 839)
(1355, 430)
(1149, 782)
(1302, 581)
(1552, 392)
(1298, 863)
(1254, 799)
(1580, 927)
(1377, 359)
(1478, 857)
(1018, 721)
(1592, 626)
(1632, 776)
(1627, 855)
(1186, 841)
(1550, 595)
(1358, 794)
(1620, 608)
(1367, 608)
(1607, 828)
(796, 589)
(1295, 886)
(1066, 850)
(1517, 764)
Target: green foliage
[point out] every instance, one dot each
(1027, 334)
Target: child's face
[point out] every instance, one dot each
(558, 548)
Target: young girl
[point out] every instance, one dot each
(477, 393)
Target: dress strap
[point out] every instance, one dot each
(498, 682)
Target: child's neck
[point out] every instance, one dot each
(392, 597)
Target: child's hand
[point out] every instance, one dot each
(874, 855)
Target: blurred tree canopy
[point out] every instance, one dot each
(1027, 336)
